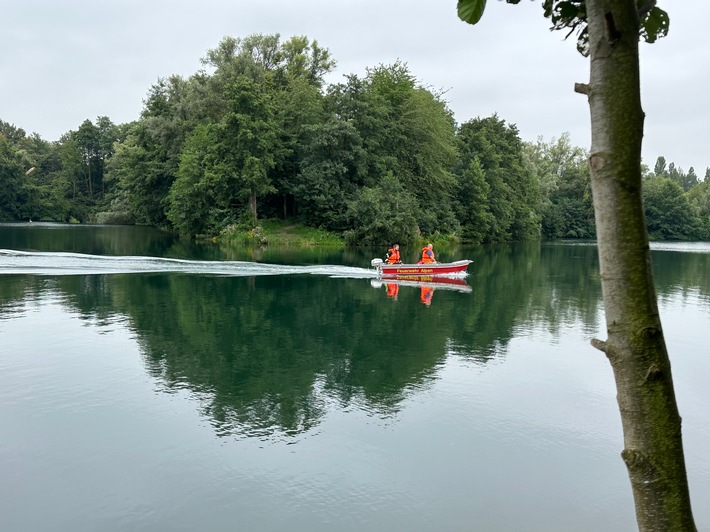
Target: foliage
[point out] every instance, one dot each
(330, 171)
(256, 134)
(406, 130)
(420, 141)
(513, 196)
(145, 164)
(699, 199)
(669, 213)
(10, 171)
(566, 197)
(298, 109)
(191, 210)
(472, 203)
(572, 14)
(383, 214)
(30, 187)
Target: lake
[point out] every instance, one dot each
(152, 384)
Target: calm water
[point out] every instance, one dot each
(152, 385)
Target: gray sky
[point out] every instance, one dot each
(63, 61)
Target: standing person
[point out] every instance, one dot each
(392, 256)
(428, 254)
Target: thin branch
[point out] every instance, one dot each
(581, 88)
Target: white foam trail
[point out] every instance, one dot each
(52, 263)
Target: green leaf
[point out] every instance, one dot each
(655, 25)
(568, 10)
(471, 11)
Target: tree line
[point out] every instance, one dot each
(378, 158)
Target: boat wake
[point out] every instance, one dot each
(52, 263)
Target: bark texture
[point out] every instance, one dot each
(635, 347)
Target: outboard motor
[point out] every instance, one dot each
(377, 264)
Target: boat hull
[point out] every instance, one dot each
(437, 268)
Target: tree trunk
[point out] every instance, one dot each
(635, 347)
(90, 188)
(252, 208)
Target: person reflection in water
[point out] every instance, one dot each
(426, 295)
(392, 290)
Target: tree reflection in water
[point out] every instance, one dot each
(269, 356)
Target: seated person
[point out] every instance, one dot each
(392, 256)
(427, 255)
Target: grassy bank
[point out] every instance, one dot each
(284, 234)
(280, 233)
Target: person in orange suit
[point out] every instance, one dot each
(392, 256)
(428, 255)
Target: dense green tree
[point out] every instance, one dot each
(233, 58)
(690, 180)
(419, 141)
(258, 148)
(108, 135)
(190, 205)
(298, 110)
(407, 132)
(699, 198)
(131, 168)
(669, 214)
(660, 167)
(301, 59)
(78, 177)
(354, 102)
(30, 167)
(10, 180)
(686, 180)
(262, 59)
(383, 214)
(87, 142)
(225, 165)
(19, 188)
(566, 196)
(472, 203)
(71, 176)
(514, 195)
(248, 144)
(330, 173)
(146, 162)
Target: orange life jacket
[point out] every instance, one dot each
(425, 295)
(427, 256)
(393, 256)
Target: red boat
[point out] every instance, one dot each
(434, 268)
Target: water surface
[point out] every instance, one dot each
(153, 384)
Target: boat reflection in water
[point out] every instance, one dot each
(426, 284)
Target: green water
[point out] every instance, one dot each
(290, 390)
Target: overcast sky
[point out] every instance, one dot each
(63, 61)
